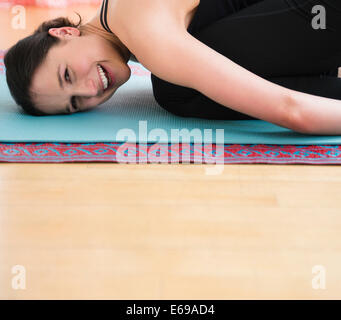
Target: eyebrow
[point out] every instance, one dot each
(67, 108)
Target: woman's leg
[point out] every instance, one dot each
(274, 39)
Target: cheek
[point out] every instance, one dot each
(100, 50)
(83, 64)
(90, 102)
(127, 72)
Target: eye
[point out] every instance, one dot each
(67, 76)
(73, 98)
(73, 103)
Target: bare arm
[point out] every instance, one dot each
(319, 115)
(181, 59)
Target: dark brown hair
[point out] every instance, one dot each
(22, 59)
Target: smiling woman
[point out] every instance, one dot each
(45, 76)
(212, 59)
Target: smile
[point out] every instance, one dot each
(104, 77)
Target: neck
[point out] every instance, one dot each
(91, 28)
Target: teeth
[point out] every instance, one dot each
(104, 79)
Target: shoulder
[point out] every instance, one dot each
(169, 54)
(145, 28)
(129, 18)
(155, 33)
(124, 14)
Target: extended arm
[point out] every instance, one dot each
(183, 60)
(179, 58)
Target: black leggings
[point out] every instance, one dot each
(273, 39)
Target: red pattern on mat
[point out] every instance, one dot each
(120, 152)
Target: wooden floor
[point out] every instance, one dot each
(169, 231)
(115, 231)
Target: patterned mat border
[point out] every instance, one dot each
(120, 152)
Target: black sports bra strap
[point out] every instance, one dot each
(103, 17)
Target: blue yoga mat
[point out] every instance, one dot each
(132, 115)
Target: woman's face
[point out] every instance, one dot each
(70, 74)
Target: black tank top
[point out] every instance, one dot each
(103, 16)
(208, 11)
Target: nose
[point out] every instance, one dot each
(88, 88)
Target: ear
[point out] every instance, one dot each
(64, 32)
